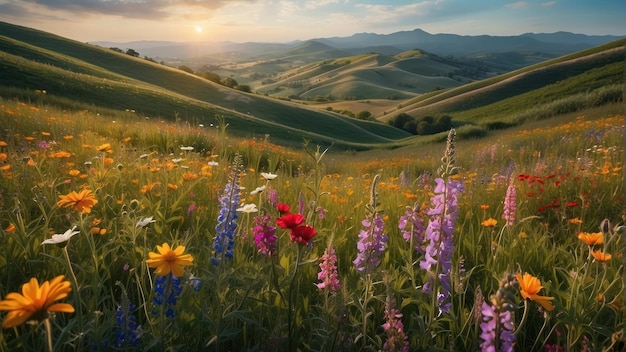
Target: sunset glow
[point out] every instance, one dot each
(288, 20)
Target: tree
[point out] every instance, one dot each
(364, 115)
(211, 76)
(243, 88)
(132, 52)
(229, 82)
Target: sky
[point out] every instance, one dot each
(284, 21)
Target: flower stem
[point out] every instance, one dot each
(524, 316)
(75, 283)
(48, 326)
(290, 299)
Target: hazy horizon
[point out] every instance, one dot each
(286, 21)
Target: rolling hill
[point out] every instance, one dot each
(507, 96)
(368, 76)
(87, 76)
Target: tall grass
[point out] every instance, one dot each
(567, 178)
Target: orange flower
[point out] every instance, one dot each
(11, 228)
(169, 260)
(82, 201)
(591, 238)
(74, 172)
(36, 302)
(60, 154)
(484, 206)
(575, 221)
(529, 287)
(491, 222)
(601, 256)
(3, 144)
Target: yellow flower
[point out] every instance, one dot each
(169, 260)
(601, 256)
(529, 287)
(491, 222)
(35, 302)
(82, 201)
(591, 238)
(104, 148)
(74, 172)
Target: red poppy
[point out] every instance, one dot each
(302, 234)
(571, 204)
(290, 221)
(283, 208)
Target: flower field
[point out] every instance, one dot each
(128, 233)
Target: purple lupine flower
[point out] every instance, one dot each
(328, 273)
(397, 340)
(496, 329)
(371, 245)
(372, 241)
(224, 240)
(488, 328)
(443, 213)
(265, 235)
(497, 326)
(412, 226)
(509, 204)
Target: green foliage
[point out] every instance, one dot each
(185, 69)
(567, 176)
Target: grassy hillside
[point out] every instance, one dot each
(91, 77)
(367, 76)
(504, 96)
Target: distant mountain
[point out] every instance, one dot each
(549, 44)
(555, 44)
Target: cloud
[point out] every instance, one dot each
(140, 9)
(548, 4)
(517, 5)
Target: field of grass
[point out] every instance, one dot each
(97, 79)
(540, 201)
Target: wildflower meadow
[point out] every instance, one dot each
(123, 233)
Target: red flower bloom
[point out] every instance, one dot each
(283, 208)
(302, 234)
(571, 204)
(290, 221)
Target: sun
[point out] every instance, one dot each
(198, 29)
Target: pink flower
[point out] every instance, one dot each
(328, 272)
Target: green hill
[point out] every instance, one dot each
(85, 76)
(367, 76)
(584, 79)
